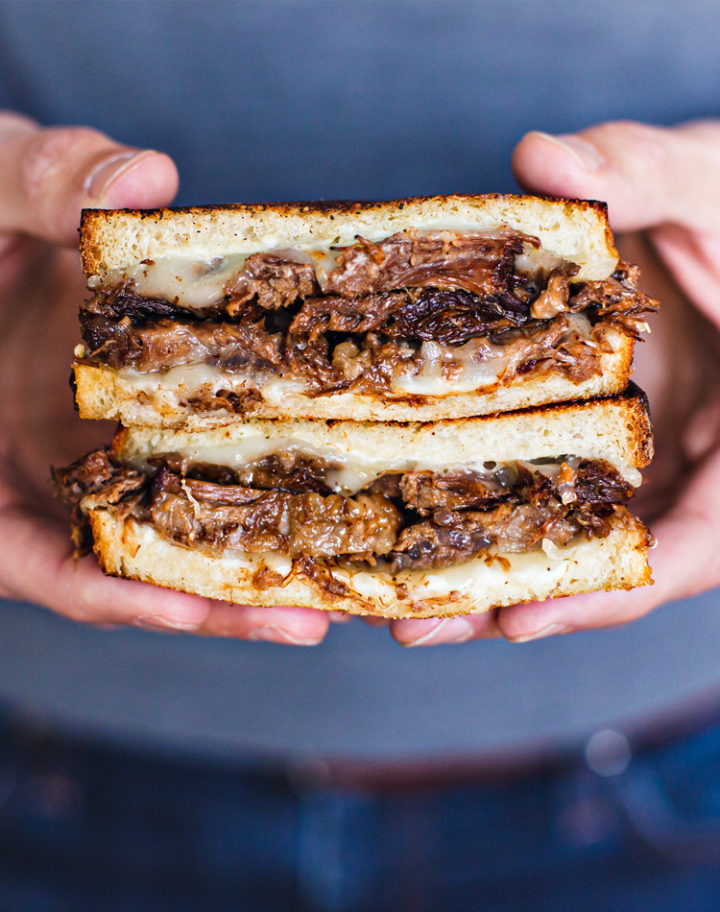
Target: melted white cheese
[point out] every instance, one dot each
(355, 470)
(198, 283)
(534, 571)
(452, 369)
(185, 281)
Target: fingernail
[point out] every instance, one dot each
(584, 153)
(447, 630)
(274, 634)
(549, 630)
(98, 181)
(162, 624)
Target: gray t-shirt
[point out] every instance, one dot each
(303, 100)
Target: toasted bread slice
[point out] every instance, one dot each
(201, 397)
(576, 230)
(135, 550)
(617, 430)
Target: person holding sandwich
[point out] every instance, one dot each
(206, 771)
(51, 173)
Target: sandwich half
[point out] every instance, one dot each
(394, 520)
(409, 310)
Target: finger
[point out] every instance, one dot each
(47, 175)
(685, 563)
(441, 631)
(648, 175)
(693, 259)
(292, 626)
(37, 566)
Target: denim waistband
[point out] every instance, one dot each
(87, 828)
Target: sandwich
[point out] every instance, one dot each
(414, 519)
(411, 310)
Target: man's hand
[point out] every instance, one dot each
(46, 177)
(663, 189)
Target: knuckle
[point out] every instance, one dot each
(639, 148)
(51, 156)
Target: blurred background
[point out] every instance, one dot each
(304, 99)
(312, 99)
(307, 99)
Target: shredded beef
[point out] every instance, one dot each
(553, 345)
(164, 344)
(388, 485)
(289, 471)
(115, 303)
(229, 400)
(356, 326)
(96, 475)
(431, 544)
(416, 520)
(480, 263)
(451, 535)
(616, 294)
(554, 298)
(333, 313)
(532, 509)
(368, 365)
(426, 492)
(451, 316)
(272, 281)
(361, 362)
(319, 573)
(597, 483)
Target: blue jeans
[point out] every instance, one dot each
(85, 829)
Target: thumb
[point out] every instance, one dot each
(47, 175)
(648, 175)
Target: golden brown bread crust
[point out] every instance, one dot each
(316, 207)
(134, 550)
